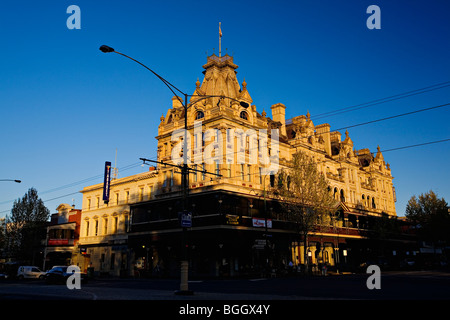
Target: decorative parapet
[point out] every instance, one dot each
(368, 186)
(336, 177)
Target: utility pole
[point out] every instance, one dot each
(184, 287)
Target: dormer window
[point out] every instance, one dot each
(199, 115)
(293, 134)
(243, 115)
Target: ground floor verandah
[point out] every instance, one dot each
(226, 251)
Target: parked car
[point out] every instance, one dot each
(9, 269)
(59, 274)
(407, 263)
(30, 272)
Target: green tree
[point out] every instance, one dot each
(2, 237)
(28, 215)
(304, 195)
(431, 216)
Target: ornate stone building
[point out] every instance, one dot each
(359, 179)
(234, 152)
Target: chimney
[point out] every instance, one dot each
(324, 131)
(278, 114)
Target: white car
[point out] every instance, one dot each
(30, 272)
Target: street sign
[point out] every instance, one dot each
(186, 219)
(259, 244)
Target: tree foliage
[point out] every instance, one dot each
(431, 216)
(304, 195)
(27, 214)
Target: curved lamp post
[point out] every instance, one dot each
(108, 49)
(15, 180)
(184, 170)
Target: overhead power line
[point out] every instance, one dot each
(240, 175)
(415, 145)
(130, 166)
(232, 153)
(382, 100)
(394, 116)
(73, 184)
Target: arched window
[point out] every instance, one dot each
(342, 196)
(272, 180)
(244, 115)
(326, 257)
(280, 181)
(199, 115)
(373, 203)
(292, 134)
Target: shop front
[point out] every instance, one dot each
(219, 251)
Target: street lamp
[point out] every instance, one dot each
(106, 49)
(184, 169)
(266, 236)
(15, 180)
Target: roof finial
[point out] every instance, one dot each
(244, 84)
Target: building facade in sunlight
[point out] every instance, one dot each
(104, 227)
(235, 151)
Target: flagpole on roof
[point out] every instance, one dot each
(220, 41)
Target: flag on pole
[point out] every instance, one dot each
(220, 41)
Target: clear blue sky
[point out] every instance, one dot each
(65, 107)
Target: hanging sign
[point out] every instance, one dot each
(261, 223)
(232, 219)
(107, 181)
